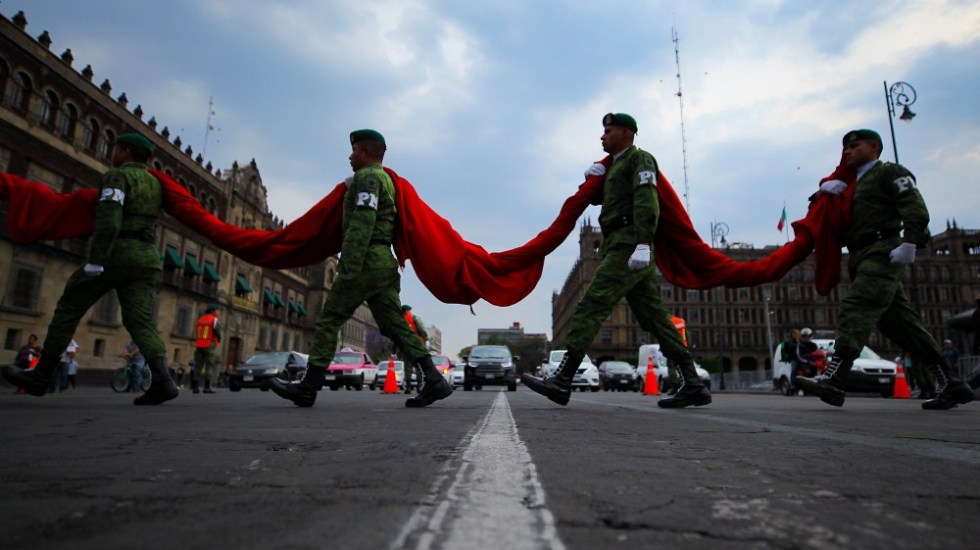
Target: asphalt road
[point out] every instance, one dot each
(487, 469)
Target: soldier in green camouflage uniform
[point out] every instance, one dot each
(889, 220)
(630, 210)
(122, 257)
(367, 272)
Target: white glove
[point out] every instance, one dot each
(93, 270)
(349, 180)
(595, 170)
(640, 257)
(833, 187)
(903, 254)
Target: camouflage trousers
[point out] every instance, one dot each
(876, 298)
(378, 287)
(133, 285)
(613, 281)
(205, 363)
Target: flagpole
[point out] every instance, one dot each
(786, 225)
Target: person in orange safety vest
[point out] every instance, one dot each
(205, 353)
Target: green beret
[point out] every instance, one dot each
(406, 307)
(360, 135)
(619, 119)
(856, 135)
(212, 308)
(136, 141)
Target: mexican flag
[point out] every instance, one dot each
(782, 220)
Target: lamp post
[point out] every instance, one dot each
(767, 296)
(718, 232)
(902, 94)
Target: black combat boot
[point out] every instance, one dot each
(950, 391)
(162, 387)
(34, 381)
(691, 390)
(558, 387)
(194, 388)
(434, 385)
(302, 393)
(207, 386)
(829, 386)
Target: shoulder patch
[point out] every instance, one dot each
(367, 200)
(113, 195)
(648, 177)
(904, 183)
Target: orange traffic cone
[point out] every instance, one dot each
(650, 384)
(391, 382)
(901, 384)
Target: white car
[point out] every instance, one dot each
(586, 377)
(661, 369)
(382, 376)
(870, 372)
(457, 375)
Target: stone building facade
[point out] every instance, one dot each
(727, 326)
(57, 126)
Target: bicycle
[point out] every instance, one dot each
(122, 379)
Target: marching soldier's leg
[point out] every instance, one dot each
(135, 289)
(644, 300)
(339, 306)
(80, 293)
(903, 324)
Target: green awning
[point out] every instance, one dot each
(242, 286)
(292, 306)
(267, 297)
(171, 258)
(191, 267)
(210, 274)
(279, 301)
(302, 310)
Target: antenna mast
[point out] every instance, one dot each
(209, 126)
(680, 100)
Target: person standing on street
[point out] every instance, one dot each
(27, 353)
(135, 363)
(418, 328)
(889, 220)
(205, 349)
(630, 210)
(367, 272)
(124, 257)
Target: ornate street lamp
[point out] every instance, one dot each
(718, 232)
(901, 94)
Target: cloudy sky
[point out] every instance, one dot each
(493, 109)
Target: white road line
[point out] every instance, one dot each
(493, 498)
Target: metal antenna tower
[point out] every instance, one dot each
(210, 127)
(680, 100)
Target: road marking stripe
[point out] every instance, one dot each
(489, 498)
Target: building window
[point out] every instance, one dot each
(98, 350)
(52, 179)
(105, 146)
(4, 75)
(285, 340)
(12, 339)
(273, 336)
(49, 109)
(607, 337)
(90, 139)
(106, 310)
(182, 324)
(22, 292)
(4, 159)
(263, 337)
(20, 92)
(68, 120)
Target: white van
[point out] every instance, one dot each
(870, 372)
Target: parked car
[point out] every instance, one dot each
(258, 370)
(618, 376)
(662, 369)
(870, 372)
(457, 375)
(489, 366)
(586, 376)
(351, 369)
(382, 377)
